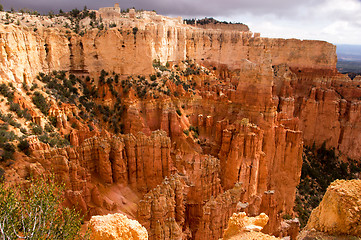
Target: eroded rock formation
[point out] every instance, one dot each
(339, 210)
(140, 162)
(226, 138)
(116, 226)
(242, 227)
(162, 210)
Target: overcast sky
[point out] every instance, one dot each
(336, 21)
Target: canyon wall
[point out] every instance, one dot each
(260, 100)
(25, 52)
(327, 105)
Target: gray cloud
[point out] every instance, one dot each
(187, 8)
(331, 20)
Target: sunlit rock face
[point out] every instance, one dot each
(185, 163)
(116, 226)
(339, 210)
(241, 227)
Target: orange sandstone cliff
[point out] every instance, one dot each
(191, 157)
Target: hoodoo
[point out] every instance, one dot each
(174, 125)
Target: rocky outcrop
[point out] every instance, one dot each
(289, 228)
(339, 211)
(246, 228)
(162, 210)
(257, 156)
(216, 211)
(140, 162)
(326, 104)
(116, 226)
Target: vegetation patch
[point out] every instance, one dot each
(35, 213)
(320, 168)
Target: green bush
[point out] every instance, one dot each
(135, 30)
(153, 77)
(53, 121)
(6, 136)
(55, 140)
(23, 146)
(2, 174)
(37, 130)
(41, 103)
(34, 86)
(194, 129)
(49, 128)
(35, 213)
(8, 152)
(6, 92)
(23, 130)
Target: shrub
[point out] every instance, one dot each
(194, 129)
(53, 121)
(287, 216)
(74, 125)
(48, 127)
(135, 30)
(41, 103)
(26, 114)
(14, 123)
(37, 130)
(179, 112)
(9, 150)
(25, 86)
(55, 140)
(15, 107)
(23, 146)
(153, 77)
(44, 138)
(6, 136)
(23, 130)
(35, 86)
(2, 173)
(35, 213)
(6, 92)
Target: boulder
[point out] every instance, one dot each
(116, 226)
